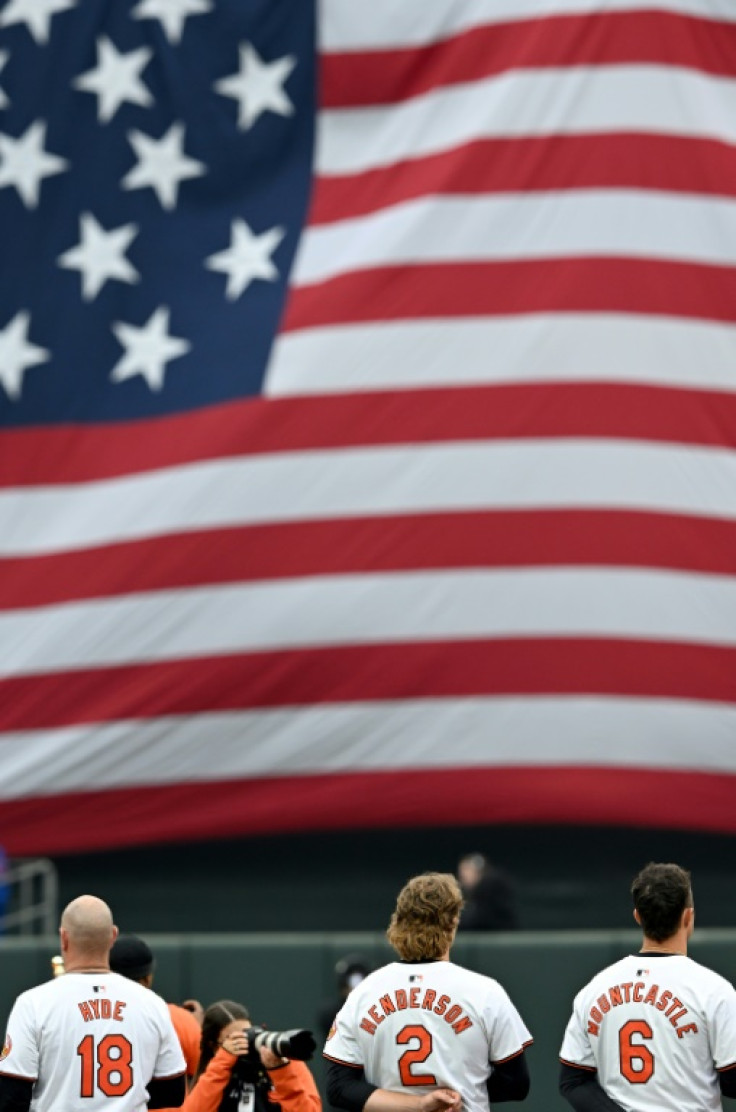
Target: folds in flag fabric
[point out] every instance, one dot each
(368, 416)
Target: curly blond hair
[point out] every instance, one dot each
(423, 925)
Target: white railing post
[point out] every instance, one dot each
(33, 898)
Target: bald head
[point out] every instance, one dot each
(87, 930)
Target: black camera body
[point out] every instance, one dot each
(297, 1043)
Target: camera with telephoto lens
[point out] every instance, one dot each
(297, 1043)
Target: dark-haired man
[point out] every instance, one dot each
(655, 1031)
(423, 1034)
(133, 958)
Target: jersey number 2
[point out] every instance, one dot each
(636, 1059)
(114, 1065)
(415, 1054)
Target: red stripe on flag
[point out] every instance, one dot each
(529, 410)
(487, 539)
(473, 289)
(417, 797)
(358, 79)
(673, 164)
(350, 674)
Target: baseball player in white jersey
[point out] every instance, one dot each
(655, 1031)
(423, 1034)
(90, 1039)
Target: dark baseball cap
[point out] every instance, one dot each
(132, 957)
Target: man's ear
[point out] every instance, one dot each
(688, 918)
(636, 917)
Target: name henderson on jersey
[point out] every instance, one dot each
(401, 999)
(634, 992)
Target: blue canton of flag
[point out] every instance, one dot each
(155, 162)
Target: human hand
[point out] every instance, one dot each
(441, 1100)
(269, 1060)
(236, 1043)
(195, 1008)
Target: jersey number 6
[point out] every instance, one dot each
(414, 1055)
(114, 1065)
(636, 1059)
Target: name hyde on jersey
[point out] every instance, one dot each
(101, 1008)
(427, 1000)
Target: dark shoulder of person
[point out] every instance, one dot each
(492, 904)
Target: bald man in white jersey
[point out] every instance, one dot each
(656, 1031)
(90, 1039)
(423, 1034)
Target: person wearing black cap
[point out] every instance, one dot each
(350, 970)
(133, 958)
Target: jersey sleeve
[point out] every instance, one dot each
(170, 1059)
(19, 1056)
(508, 1032)
(722, 1024)
(341, 1044)
(576, 1049)
(189, 1034)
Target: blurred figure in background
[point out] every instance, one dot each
(490, 900)
(350, 970)
(133, 958)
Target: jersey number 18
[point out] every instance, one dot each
(113, 1059)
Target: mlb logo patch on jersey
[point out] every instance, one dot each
(7, 1047)
(415, 978)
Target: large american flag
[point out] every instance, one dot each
(367, 391)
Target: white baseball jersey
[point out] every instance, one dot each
(656, 1028)
(428, 1024)
(90, 1041)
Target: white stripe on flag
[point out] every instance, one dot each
(347, 483)
(541, 347)
(586, 223)
(370, 609)
(412, 734)
(386, 24)
(583, 99)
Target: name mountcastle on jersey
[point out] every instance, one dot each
(656, 1028)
